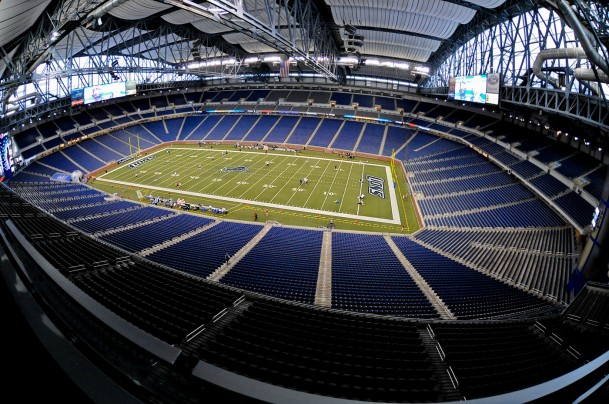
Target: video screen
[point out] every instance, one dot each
(103, 92)
(471, 88)
(78, 96)
(481, 88)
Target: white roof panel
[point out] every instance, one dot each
(487, 3)
(393, 38)
(181, 17)
(399, 21)
(395, 51)
(138, 9)
(432, 8)
(210, 26)
(257, 47)
(17, 16)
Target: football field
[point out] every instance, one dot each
(311, 184)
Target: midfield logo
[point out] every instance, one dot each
(233, 169)
(376, 186)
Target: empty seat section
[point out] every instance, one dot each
(554, 152)
(497, 358)
(531, 213)
(261, 128)
(87, 160)
(467, 293)
(222, 95)
(576, 207)
(111, 142)
(282, 129)
(256, 95)
(471, 170)
(526, 169)
(367, 277)
(548, 185)
(297, 96)
(204, 252)
(386, 103)
(347, 135)
(372, 138)
(167, 305)
(201, 130)
(396, 137)
(133, 133)
(517, 256)
(97, 207)
(597, 182)
(240, 94)
(100, 151)
(117, 220)
(174, 127)
(36, 167)
(276, 95)
(423, 107)
(138, 238)
(159, 101)
(364, 101)
(443, 161)
(242, 127)
(157, 130)
(462, 184)
(341, 98)
(176, 99)
(475, 200)
(27, 137)
(286, 346)
(59, 161)
(283, 264)
(506, 158)
(190, 124)
(320, 97)
(424, 146)
(577, 165)
(303, 130)
(325, 132)
(222, 127)
(415, 147)
(440, 111)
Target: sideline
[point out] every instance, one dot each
(394, 203)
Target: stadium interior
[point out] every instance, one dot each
(494, 112)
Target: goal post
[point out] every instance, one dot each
(394, 175)
(133, 150)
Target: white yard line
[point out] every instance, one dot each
(392, 195)
(342, 199)
(287, 184)
(316, 184)
(272, 205)
(361, 185)
(276, 166)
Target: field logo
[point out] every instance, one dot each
(141, 161)
(376, 186)
(233, 169)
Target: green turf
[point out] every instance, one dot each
(273, 190)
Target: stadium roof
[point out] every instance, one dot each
(399, 34)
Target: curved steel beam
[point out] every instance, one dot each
(583, 36)
(317, 49)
